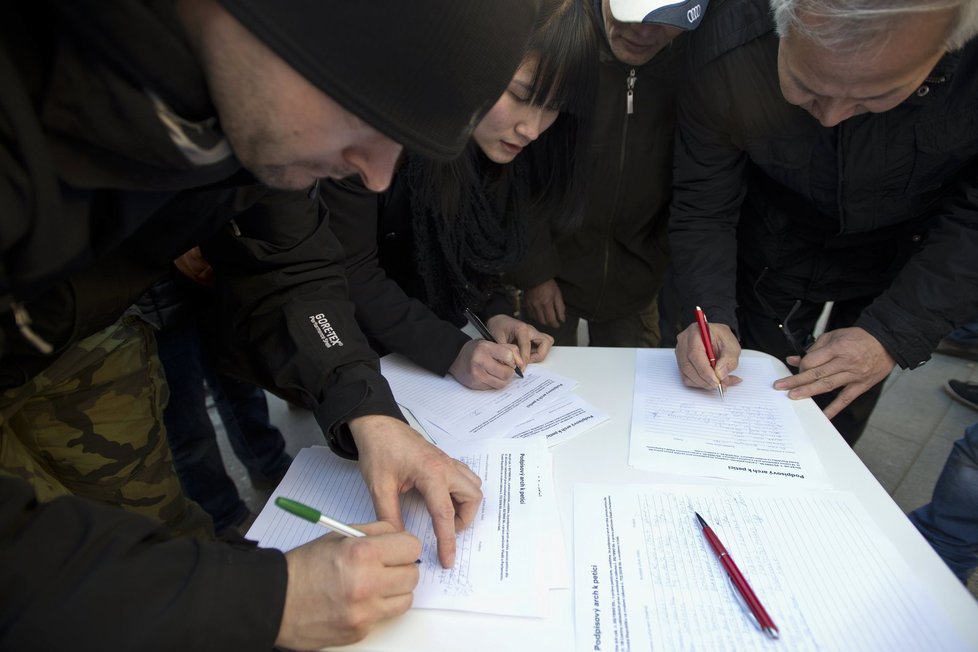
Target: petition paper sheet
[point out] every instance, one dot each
(752, 434)
(501, 565)
(470, 414)
(559, 420)
(646, 579)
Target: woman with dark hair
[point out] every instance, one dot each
(446, 233)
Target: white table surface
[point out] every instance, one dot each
(606, 379)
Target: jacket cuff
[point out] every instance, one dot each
(907, 345)
(254, 581)
(359, 398)
(443, 349)
(500, 303)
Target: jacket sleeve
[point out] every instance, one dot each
(283, 298)
(937, 290)
(81, 576)
(401, 324)
(709, 185)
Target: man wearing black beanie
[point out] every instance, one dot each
(129, 133)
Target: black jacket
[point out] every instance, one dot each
(384, 280)
(882, 205)
(112, 165)
(613, 264)
(82, 576)
(88, 227)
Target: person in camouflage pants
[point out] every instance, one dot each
(91, 425)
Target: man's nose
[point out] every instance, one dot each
(376, 163)
(833, 111)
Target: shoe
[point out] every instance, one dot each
(963, 392)
(270, 482)
(957, 349)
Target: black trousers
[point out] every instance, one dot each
(759, 330)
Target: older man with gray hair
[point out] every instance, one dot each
(827, 152)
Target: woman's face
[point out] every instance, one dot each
(513, 123)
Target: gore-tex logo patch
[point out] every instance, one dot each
(325, 330)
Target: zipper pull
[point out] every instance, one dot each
(23, 320)
(630, 93)
(314, 190)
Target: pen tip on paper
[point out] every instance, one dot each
(519, 372)
(720, 389)
(773, 633)
(700, 519)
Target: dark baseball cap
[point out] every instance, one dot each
(685, 15)
(423, 72)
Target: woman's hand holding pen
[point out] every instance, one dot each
(482, 364)
(694, 364)
(533, 345)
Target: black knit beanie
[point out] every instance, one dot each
(423, 72)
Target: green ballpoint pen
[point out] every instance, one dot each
(315, 516)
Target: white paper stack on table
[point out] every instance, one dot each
(505, 561)
(645, 578)
(539, 405)
(752, 434)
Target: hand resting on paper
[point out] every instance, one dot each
(395, 458)
(846, 357)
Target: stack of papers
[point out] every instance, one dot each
(506, 561)
(646, 579)
(539, 405)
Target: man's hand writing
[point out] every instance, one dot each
(339, 588)
(695, 366)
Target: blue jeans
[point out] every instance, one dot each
(244, 413)
(950, 521)
(967, 334)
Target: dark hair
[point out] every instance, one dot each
(566, 48)
(452, 202)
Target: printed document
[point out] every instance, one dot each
(501, 563)
(752, 434)
(558, 421)
(646, 578)
(471, 414)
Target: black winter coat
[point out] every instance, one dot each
(881, 205)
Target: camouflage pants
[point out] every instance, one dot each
(91, 425)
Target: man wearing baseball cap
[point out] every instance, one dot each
(130, 133)
(609, 270)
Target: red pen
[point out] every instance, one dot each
(756, 608)
(707, 344)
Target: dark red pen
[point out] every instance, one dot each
(707, 344)
(740, 583)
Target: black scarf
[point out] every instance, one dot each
(460, 257)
